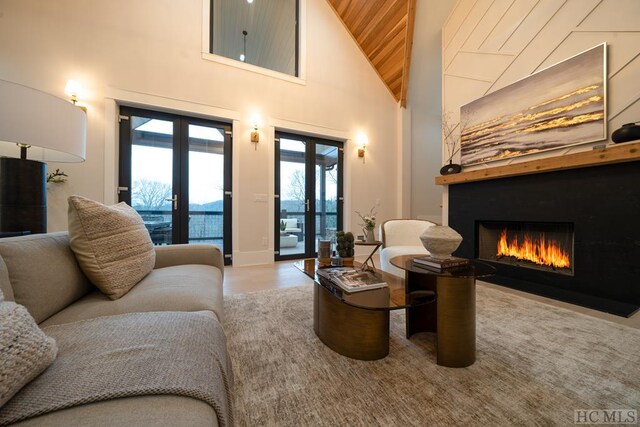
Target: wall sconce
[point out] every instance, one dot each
(362, 145)
(74, 90)
(255, 135)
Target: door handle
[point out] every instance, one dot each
(307, 204)
(174, 199)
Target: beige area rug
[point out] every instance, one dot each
(535, 365)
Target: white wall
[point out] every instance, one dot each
(149, 52)
(489, 44)
(424, 101)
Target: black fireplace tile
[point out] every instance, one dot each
(602, 202)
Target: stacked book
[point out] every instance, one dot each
(439, 264)
(351, 280)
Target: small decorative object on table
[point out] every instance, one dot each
(324, 253)
(344, 247)
(452, 145)
(440, 241)
(368, 225)
(283, 226)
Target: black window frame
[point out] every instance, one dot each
(297, 39)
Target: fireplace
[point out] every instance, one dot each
(591, 212)
(538, 245)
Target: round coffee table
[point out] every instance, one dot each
(453, 317)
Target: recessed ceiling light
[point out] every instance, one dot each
(249, 1)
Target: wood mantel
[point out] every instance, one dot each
(627, 152)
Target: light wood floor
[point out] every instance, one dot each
(285, 275)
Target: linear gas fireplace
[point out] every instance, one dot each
(571, 235)
(539, 245)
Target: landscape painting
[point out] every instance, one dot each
(557, 107)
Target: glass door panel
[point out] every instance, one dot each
(206, 184)
(152, 175)
(326, 215)
(176, 172)
(293, 197)
(308, 192)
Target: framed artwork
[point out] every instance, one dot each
(560, 106)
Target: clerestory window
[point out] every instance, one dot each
(258, 32)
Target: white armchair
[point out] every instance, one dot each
(401, 237)
(290, 233)
(291, 225)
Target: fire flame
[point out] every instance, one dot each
(537, 250)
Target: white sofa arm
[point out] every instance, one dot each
(170, 255)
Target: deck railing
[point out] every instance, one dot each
(209, 225)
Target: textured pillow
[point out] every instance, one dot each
(111, 244)
(25, 351)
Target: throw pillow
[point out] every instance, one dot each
(25, 351)
(111, 244)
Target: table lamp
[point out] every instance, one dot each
(35, 127)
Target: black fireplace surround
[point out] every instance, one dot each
(602, 203)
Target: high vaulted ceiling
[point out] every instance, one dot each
(383, 29)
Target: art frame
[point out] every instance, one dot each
(560, 106)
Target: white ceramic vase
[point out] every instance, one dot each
(441, 241)
(369, 235)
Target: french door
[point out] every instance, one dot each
(309, 196)
(176, 172)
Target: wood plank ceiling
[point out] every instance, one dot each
(383, 29)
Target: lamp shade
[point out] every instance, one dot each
(54, 128)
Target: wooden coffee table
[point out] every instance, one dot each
(453, 317)
(356, 325)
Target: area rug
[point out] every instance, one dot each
(535, 365)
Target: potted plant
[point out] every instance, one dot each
(283, 226)
(368, 225)
(344, 246)
(57, 177)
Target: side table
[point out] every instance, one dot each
(376, 244)
(453, 317)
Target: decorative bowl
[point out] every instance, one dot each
(441, 241)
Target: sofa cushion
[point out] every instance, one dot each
(177, 288)
(291, 225)
(25, 351)
(111, 243)
(44, 274)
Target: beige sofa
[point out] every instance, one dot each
(41, 273)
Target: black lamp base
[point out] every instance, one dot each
(23, 195)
